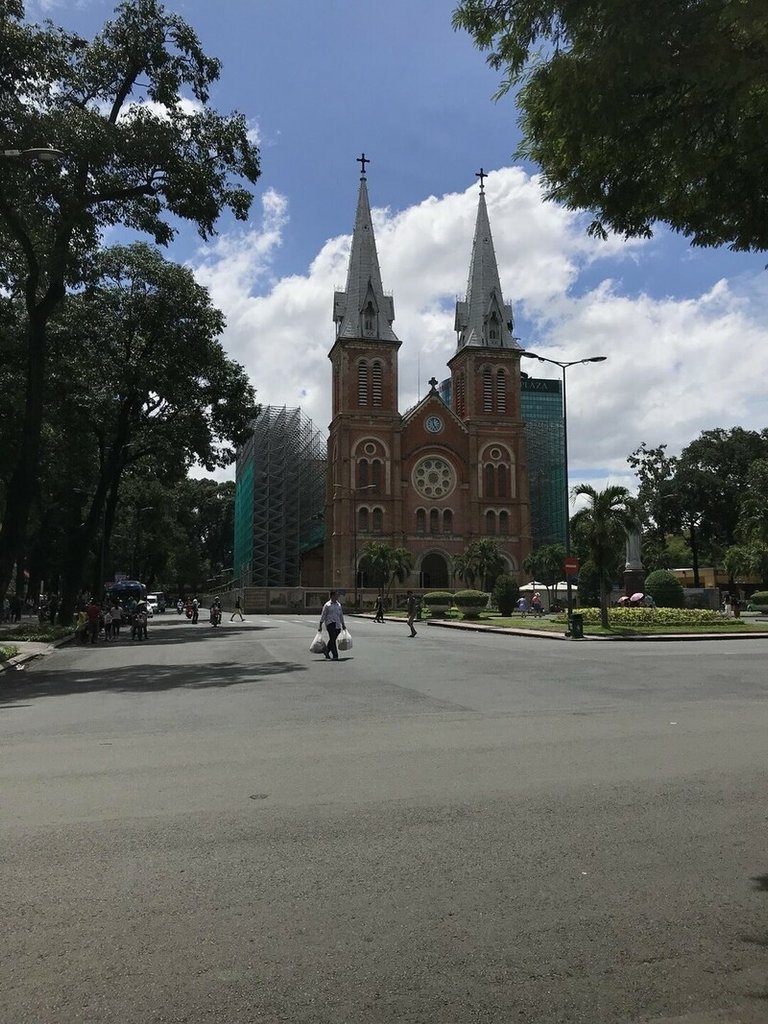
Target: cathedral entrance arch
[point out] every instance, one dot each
(434, 571)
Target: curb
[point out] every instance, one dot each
(540, 634)
(22, 658)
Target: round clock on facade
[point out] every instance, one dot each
(434, 477)
(433, 424)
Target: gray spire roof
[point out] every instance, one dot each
(362, 310)
(484, 319)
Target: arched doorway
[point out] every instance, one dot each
(434, 572)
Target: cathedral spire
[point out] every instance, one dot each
(362, 310)
(484, 319)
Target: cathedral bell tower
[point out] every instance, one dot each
(361, 498)
(485, 393)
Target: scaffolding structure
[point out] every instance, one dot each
(279, 498)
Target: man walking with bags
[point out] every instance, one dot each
(333, 617)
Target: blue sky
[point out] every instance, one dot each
(322, 80)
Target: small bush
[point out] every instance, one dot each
(760, 597)
(438, 597)
(665, 589)
(469, 602)
(505, 594)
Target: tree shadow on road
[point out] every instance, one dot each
(144, 678)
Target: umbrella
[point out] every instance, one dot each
(637, 597)
(623, 600)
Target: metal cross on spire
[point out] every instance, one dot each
(363, 160)
(482, 176)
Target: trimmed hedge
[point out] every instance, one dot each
(438, 597)
(665, 589)
(505, 593)
(651, 617)
(469, 602)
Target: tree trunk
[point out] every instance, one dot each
(23, 483)
(692, 540)
(603, 602)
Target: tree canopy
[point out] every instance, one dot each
(141, 149)
(640, 112)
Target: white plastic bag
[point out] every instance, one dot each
(344, 643)
(318, 644)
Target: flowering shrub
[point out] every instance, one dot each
(651, 617)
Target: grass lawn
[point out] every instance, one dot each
(8, 651)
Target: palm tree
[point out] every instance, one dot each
(602, 526)
(385, 564)
(481, 560)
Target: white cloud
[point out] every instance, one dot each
(675, 367)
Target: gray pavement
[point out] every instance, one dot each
(219, 826)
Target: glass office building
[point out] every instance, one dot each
(542, 411)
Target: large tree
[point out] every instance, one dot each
(129, 111)
(155, 390)
(640, 111)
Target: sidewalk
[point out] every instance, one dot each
(28, 649)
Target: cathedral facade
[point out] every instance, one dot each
(446, 472)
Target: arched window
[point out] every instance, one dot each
(501, 391)
(434, 521)
(362, 473)
(490, 523)
(501, 481)
(376, 474)
(362, 520)
(490, 481)
(421, 521)
(369, 319)
(504, 523)
(447, 521)
(493, 327)
(362, 383)
(378, 520)
(376, 373)
(487, 390)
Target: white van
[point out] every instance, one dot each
(156, 601)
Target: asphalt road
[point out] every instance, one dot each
(217, 826)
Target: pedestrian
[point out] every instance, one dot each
(53, 608)
(116, 614)
(522, 606)
(93, 619)
(332, 616)
(412, 606)
(536, 606)
(195, 610)
(379, 616)
(238, 610)
(107, 623)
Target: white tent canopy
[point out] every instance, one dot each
(563, 585)
(533, 585)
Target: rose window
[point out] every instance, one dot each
(434, 478)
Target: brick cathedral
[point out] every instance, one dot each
(451, 470)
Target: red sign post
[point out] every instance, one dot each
(570, 567)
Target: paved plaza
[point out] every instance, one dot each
(217, 826)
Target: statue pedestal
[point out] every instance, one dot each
(634, 581)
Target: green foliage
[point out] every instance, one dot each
(505, 593)
(7, 651)
(480, 562)
(640, 112)
(385, 564)
(618, 617)
(438, 597)
(470, 602)
(601, 526)
(665, 589)
(759, 600)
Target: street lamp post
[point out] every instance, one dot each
(354, 491)
(46, 154)
(563, 367)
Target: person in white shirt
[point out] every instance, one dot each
(333, 617)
